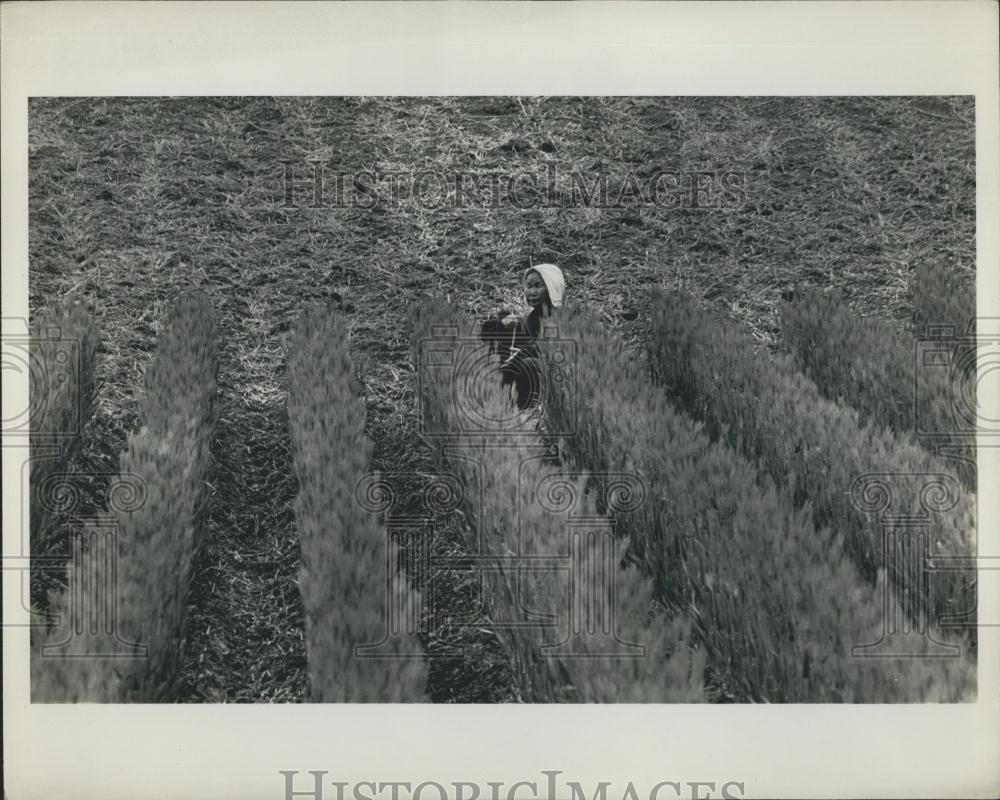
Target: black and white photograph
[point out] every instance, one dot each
(501, 400)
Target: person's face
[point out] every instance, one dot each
(534, 289)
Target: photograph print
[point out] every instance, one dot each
(501, 399)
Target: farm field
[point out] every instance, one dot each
(134, 200)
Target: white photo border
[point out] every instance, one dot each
(444, 48)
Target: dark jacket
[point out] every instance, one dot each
(519, 356)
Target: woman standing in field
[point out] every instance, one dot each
(516, 338)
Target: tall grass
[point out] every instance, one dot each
(62, 396)
(943, 298)
(777, 604)
(766, 409)
(131, 594)
(343, 577)
(867, 364)
(524, 509)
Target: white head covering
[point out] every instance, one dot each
(554, 281)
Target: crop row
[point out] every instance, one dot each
(577, 623)
(918, 389)
(779, 604)
(767, 410)
(120, 622)
(353, 591)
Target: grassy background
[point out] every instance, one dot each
(132, 199)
